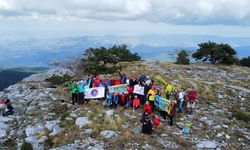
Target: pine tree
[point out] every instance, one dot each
(182, 58)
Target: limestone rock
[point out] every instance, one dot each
(82, 121)
(206, 144)
(48, 74)
(108, 134)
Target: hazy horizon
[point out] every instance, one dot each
(39, 29)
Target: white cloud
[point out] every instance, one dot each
(166, 11)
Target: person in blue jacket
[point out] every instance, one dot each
(123, 78)
(106, 83)
(86, 86)
(115, 100)
(109, 99)
(80, 89)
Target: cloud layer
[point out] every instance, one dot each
(199, 12)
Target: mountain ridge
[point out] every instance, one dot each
(220, 119)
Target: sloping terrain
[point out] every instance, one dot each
(221, 119)
(13, 75)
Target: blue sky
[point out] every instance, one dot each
(48, 18)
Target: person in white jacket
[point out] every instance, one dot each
(181, 96)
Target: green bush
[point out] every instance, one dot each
(64, 115)
(244, 116)
(57, 80)
(66, 123)
(103, 60)
(26, 146)
(182, 58)
(245, 61)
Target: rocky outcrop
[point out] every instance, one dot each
(41, 118)
(32, 99)
(82, 121)
(48, 74)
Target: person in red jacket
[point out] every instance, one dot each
(136, 102)
(122, 98)
(192, 95)
(130, 90)
(156, 121)
(116, 81)
(147, 107)
(97, 81)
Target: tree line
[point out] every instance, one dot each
(214, 53)
(106, 60)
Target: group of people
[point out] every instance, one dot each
(178, 98)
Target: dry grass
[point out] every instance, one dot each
(96, 129)
(65, 137)
(66, 123)
(59, 109)
(45, 132)
(208, 94)
(128, 142)
(99, 120)
(183, 142)
(113, 123)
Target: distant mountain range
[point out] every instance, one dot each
(13, 75)
(40, 52)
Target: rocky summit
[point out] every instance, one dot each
(45, 118)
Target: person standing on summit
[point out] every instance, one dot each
(80, 89)
(96, 81)
(181, 96)
(192, 95)
(169, 88)
(151, 97)
(73, 87)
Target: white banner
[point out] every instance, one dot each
(138, 90)
(93, 93)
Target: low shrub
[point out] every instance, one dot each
(26, 146)
(245, 61)
(244, 116)
(57, 80)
